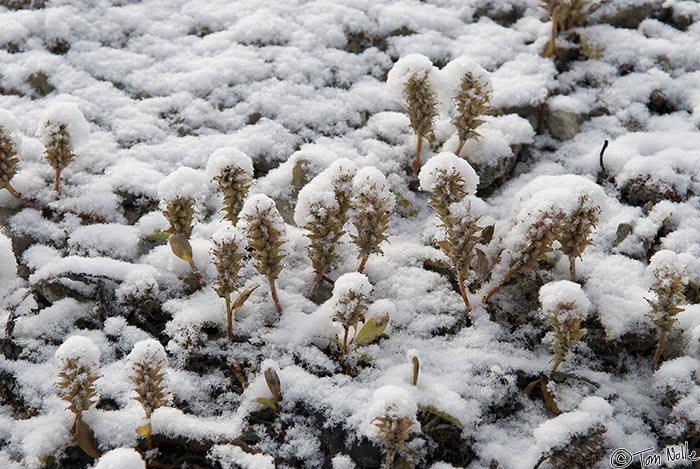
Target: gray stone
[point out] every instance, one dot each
(564, 125)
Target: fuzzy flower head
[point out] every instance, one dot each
(372, 202)
(79, 360)
(9, 144)
(64, 118)
(406, 68)
(350, 298)
(9, 127)
(266, 233)
(442, 168)
(226, 158)
(564, 299)
(148, 365)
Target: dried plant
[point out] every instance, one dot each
(372, 203)
(534, 248)
(179, 211)
(228, 253)
(472, 102)
(564, 14)
(79, 360)
(232, 170)
(669, 280)
(462, 236)
(8, 157)
(148, 374)
(393, 434)
(583, 450)
(59, 152)
(265, 231)
(574, 233)
(564, 307)
(421, 106)
(393, 418)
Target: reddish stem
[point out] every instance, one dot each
(459, 147)
(416, 160)
(363, 263)
(659, 350)
(273, 293)
(463, 291)
(315, 282)
(229, 317)
(498, 286)
(57, 182)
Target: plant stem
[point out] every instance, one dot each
(572, 268)
(273, 294)
(363, 262)
(463, 292)
(557, 362)
(195, 271)
(38, 206)
(459, 147)
(315, 282)
(57, 182)
(659, 350)
(500, 284)
(416, 160)
(229, 317)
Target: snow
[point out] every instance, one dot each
(67, 114)
(149, 352)
(184, 182)
(80, 350)
(120, 458)
(448, 163)
(451, 75)
(227, 157)
(561, 292)
(172, 92)
(390, 401)
(407, 67)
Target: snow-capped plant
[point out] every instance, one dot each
(551, 208)
(412, 77)
(372, 202)
(392, 416)
(450, 179)
(319, 213)
(148, 364)
(228, 253)
(9, 159)
(471, 96)
(179, 212)
(121, 458)
(265, 231)
(79, 359)
(350, 304)
(62, 129)
(564, 307)
(574, 234)
(232, 170)
(669, 279)
(341, 174)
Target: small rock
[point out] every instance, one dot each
(564, 125)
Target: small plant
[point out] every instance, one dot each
(471, 97)
(341, 174)
(669, 280)
(564, 307)
(148, 364)
(62, 129)
(232, 170)
(9, 158)
(272, 380)
(372, 203)
(449, 179)
(575, 232)
(228, 253)
(351, 304)
(319, 213)
(564, 14)
(177, 192)
(79, 359)
(392, 414)
(265, 231)
(412, 76)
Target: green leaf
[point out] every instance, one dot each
(269, 403)
(371, 330)
(444, 415)
(157, 235)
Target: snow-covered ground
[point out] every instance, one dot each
(297, 86)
